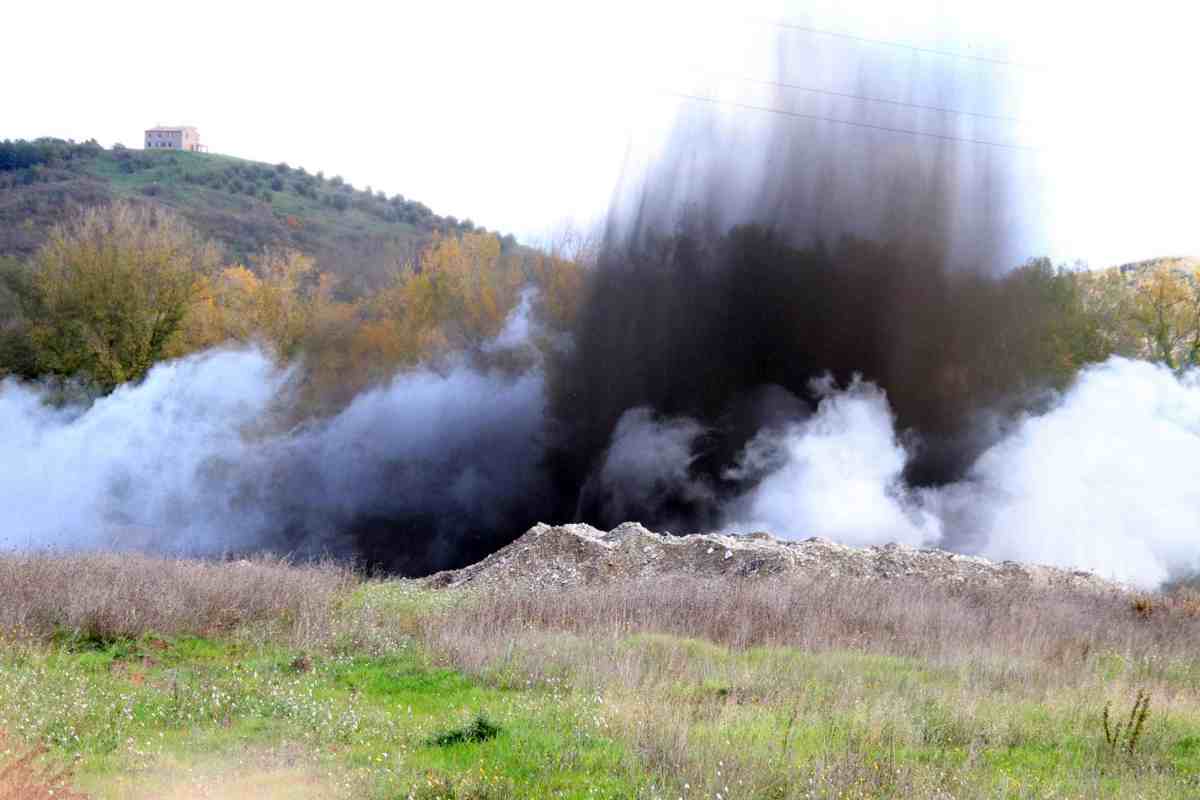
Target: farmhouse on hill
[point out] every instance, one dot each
(183, 138)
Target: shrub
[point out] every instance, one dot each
(480, 729)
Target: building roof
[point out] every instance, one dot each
(171, 129)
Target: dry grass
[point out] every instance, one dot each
(788, 688)
(1056, 630)
(802, 689)
(115, 595)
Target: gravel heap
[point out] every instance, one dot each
(562, 556)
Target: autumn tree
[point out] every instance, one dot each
(1166, 314)
(460, 293)
(112, 289)
(275, 303)
(560, 284)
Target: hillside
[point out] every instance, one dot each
(359, 235)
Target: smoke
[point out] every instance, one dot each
(647, 469)
(836, 475)
(415, 475)
(138, 466)
(418, 475)
(763, 249)
(1102, 480)
(794, 324)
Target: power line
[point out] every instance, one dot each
(799, 115)
(865, 98)
(900, 45)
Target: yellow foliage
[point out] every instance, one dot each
(560, 284)
(276, 306)
(1166, 313)
(462, 293)
(114, 287)
(170, 297)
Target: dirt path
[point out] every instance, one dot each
(277, 774)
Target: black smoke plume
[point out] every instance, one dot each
(764, 250)
(759, 251)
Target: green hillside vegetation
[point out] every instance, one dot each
(359, 235)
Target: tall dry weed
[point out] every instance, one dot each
(112, 595)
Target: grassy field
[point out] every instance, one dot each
(128, 676)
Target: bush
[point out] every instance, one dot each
(112, 289)
(480, 729)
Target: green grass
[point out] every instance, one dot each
(126, 705)
(384, 704)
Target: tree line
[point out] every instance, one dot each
(124, 286)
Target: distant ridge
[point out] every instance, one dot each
(359, 235)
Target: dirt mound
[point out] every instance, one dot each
(560, 556)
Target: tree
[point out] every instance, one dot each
(275, 304)
(112, 289)
(17, 302)
(1166, 312)
(464, 291)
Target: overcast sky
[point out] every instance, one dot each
(521, 115)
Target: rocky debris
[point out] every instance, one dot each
(561, 556)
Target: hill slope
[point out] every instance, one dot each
(245, 205)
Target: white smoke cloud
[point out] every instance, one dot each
(1105, 480)
(520, 327)
(459, 449)
(192, 460)
(836, 475)
(129, 467)
(647, 463)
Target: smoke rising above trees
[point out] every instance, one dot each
(793, 323)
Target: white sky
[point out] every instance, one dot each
(520, 115)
